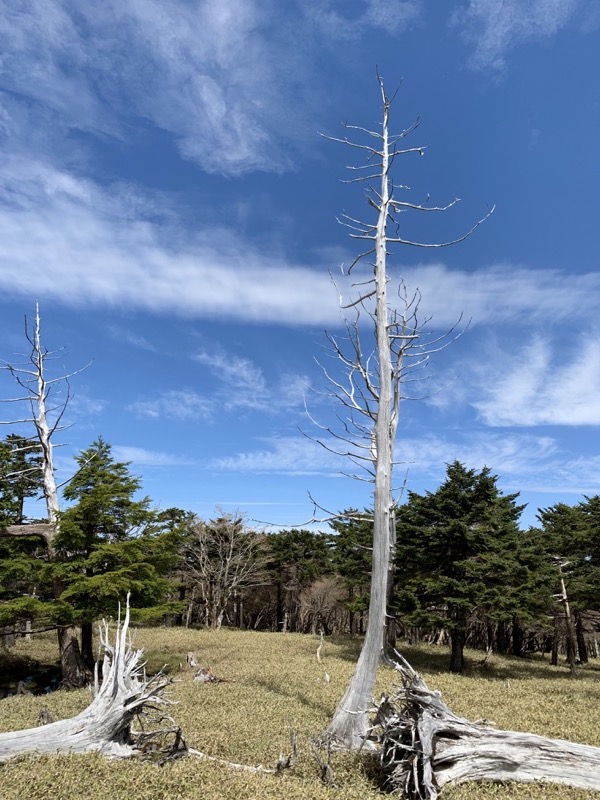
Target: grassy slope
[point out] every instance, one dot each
(276, 679)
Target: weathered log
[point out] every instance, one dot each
(425, 746)
(106, 725)
(45, 530)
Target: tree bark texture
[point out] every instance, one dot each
(457, 658)
(425, 746)
(106, 724)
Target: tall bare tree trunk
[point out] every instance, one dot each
(350, 722)
(374, 393)
(37, 388)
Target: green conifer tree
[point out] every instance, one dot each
(460, 551)
(109, 542)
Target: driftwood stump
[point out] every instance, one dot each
(106, 725)
(425, 746)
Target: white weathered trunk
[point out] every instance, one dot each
(350, 723)
(41, 424)
(105, 725)
(425, 746)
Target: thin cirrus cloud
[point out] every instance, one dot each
(178, 404)
(212, 73)
(126, 336)
(140, 456)
(535, 386)
(525, 461)
(388, 16)
(287, 455)
(495, 27)
(242, 384)
(85, 246)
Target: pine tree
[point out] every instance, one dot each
(352, 548)
(461, 552)
(109, 543)
(293, 560)
(572, 538)
(22, 559)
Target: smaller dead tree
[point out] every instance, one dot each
(46, 413)
(563, 598)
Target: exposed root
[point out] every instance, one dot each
(425, 746)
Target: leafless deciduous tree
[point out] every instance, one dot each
(383, 354)
(222, 558)
(46, 415)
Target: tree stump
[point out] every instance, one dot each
(425, 746)
(106, 725)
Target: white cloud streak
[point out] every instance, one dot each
(243, 384)
(141, 457)
(178, 404)
(525, 461)
(286, 455)
(494, 27)
(84, 246)
(388, 16)
(535, 386)
(125, 336)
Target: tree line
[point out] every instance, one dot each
(464, 572)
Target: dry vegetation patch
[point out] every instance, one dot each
(272, 680)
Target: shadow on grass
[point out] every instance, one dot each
(530, 667)
(290, 694)
(24, 674)
(436, 660)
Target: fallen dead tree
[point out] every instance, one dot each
(425, 746)
(125, 718)
(123, 697)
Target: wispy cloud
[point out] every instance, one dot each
(212, 72)
(537, 386)
(509, 455)
(244, 381)
(243, 384)
(389, 16)
(287, 455)
(126, 336)
(504, 293)
(494, 27)
(179, 404)
(141, 457)
(82, 245)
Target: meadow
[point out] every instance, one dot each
(270, 681)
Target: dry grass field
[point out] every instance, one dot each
(275, 679)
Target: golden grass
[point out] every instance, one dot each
(274, 679)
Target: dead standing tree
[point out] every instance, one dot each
(373, 388)
(423, 745)
(38, 388)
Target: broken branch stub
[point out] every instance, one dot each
(106, 725)
(425, 746)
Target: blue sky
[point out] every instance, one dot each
(166, 197)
